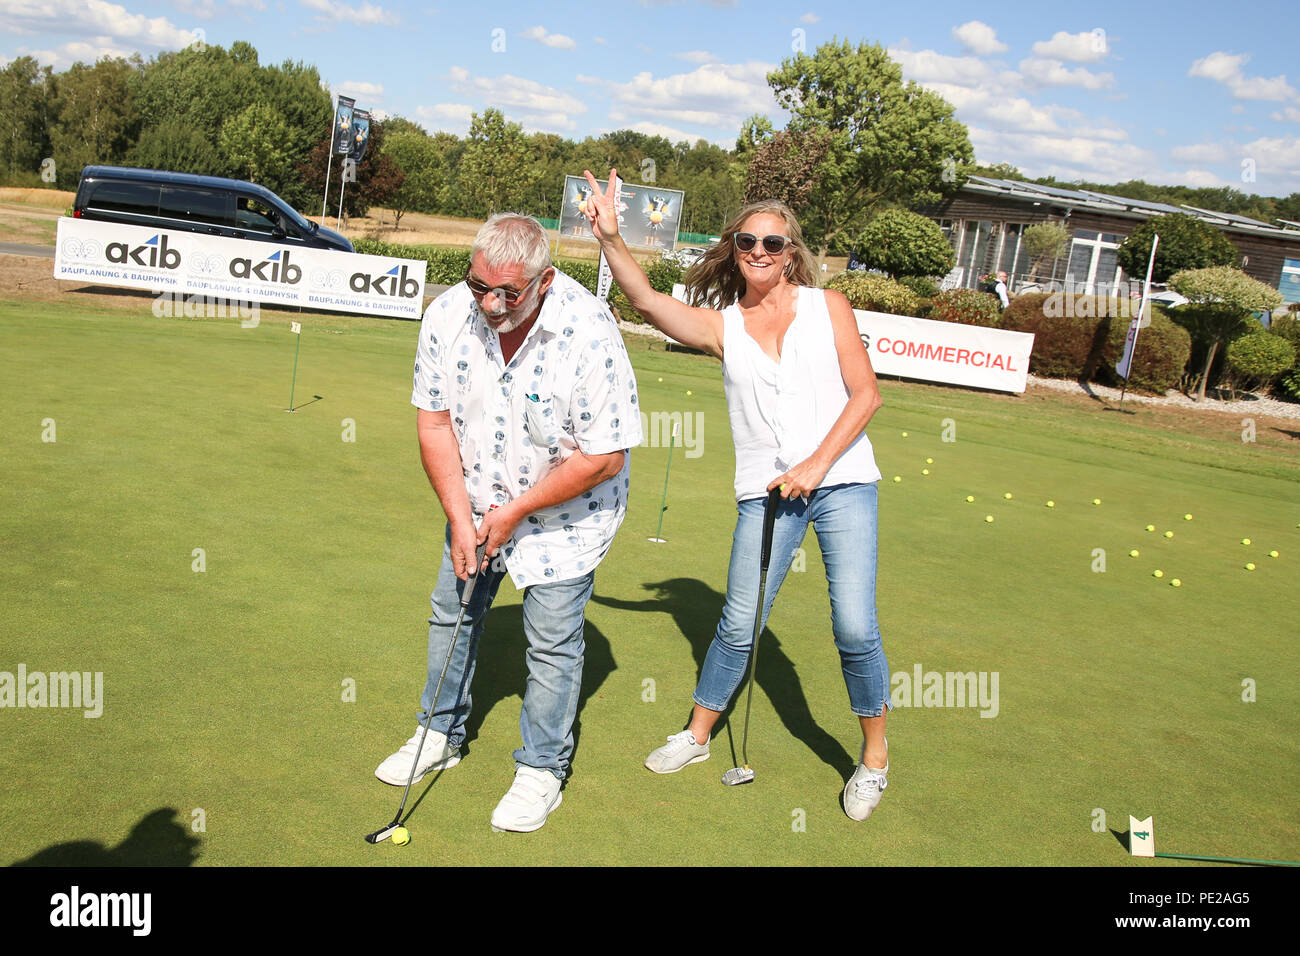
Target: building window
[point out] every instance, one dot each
(1093, 268)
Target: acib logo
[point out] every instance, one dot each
(153, 253)
(394, 282)
(274, 268)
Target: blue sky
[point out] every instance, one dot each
(1193, 93)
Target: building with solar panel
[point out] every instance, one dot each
(986, 220)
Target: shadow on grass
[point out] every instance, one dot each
(157, 840)
(501, 673)
(695, 608)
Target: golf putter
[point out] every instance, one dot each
(466, 597)
(744, 774)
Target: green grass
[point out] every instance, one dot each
(224, 689)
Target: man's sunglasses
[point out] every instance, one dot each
(772, 245)
(509, 296)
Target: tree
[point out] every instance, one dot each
(1221, 301)
(417, 156)
(1045, 239)
(24, 94)
(784, 168)
(254, 142)
(94, 118)
(905, 243)
(893, 143)
(378, 178)
(495, 172)
(1185, 243)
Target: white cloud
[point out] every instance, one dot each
(78, 51)
(1200, 153)
(1066, 157)
(359, 89)
(927, 66)
(1277, 164)
(97, 19)
(601, 40)
(1287, 113)
(1047, 72)
(523, 101)
(697, 56)
(980, 38)
(1226, 68)
(557, 41)
(715, 95)
(670, 133)
(366, 15)
(1090, 46)
(447, 117)
(810, 18)
(1198, 178)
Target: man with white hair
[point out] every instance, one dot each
(527, 407)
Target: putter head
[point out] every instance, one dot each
(738, 775)
(382, 834)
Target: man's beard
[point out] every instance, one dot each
(510, 324)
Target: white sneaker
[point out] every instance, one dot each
(528, 802)
(680, 751)
(436, 755)
(863, 791)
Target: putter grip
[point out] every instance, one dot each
(769, 521)
(471, 582)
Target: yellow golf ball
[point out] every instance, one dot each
(1250, 566)
(970, 498)
(925, 471)
(904, 434)
(689, 392)
(1169, 534)
(988, 518)
(898, 477)
(1157, 573)
(1176, 583)
(661, 378)
(1245, 541)
(401, 836)
(1096, 501)
(1272, 554)
(929, 461)
(1187, 517)
(1007, 496)
(1151, 527)
(1133, 553)
(1051, 504)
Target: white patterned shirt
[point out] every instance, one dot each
(569, 387)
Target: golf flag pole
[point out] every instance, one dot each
(663, 501)
(1125, 364)
(605, 277)
(296, 329)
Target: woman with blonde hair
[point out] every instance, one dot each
(800, 391)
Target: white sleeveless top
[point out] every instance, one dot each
(781, 412)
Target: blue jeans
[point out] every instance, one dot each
(553, 622)
(844, 517)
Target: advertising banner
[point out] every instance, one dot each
(945, 351)
(648, 217)
(343, 126)
(238, 269)
(360, 135)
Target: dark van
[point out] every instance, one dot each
(208, 204)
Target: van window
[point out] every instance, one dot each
(258, 215)
(138, 198)
(195, 205)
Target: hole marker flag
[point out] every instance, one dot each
(1125, 364)
(1141, 837)
(295, 328)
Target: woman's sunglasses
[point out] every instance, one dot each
(772, 245)
(509, 296)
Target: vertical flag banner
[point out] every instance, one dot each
(360, 135)
(1141, 321)
(343, 126)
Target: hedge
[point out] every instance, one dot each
(1075, 337)
(966, 307)
(873, 292)
(448, 267)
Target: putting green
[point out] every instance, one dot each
(252, 587)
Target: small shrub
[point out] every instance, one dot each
(921, 285)
(1257, 358)
(1163, 349)
(967, 307)
(873, 292)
